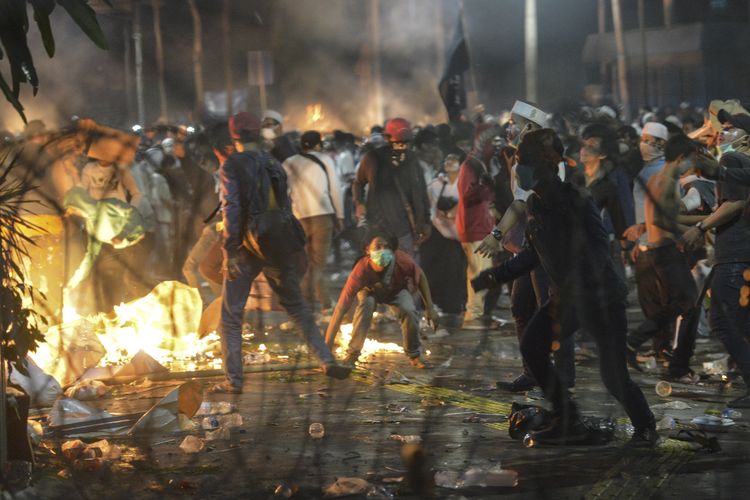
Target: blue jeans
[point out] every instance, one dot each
(284, 281)
(730, 321)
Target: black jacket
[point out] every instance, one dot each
(566, 236)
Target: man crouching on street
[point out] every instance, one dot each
(566, 236)
(384, 275)
(242, 176)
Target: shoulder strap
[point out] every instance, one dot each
(407, 207)
(317, 160)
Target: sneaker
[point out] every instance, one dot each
(743, 402)
(416, 362)
(559, 432)
(522, 383)
(644, 438)
(336, 371)
(683, 377)
(225, 388)
(632, 358)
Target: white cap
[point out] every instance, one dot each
(606, 110)
(673, 120)
(655, 129)
(529, 112)
(273, 115)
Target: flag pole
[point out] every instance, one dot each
(472, 76)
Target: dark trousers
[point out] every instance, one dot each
(730, 314)
(529, 293)
(284, 280)
(666, 290)
(608, 327)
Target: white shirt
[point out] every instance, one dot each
(311, 191)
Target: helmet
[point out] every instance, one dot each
(398, 130)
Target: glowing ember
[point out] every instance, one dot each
(371, 346)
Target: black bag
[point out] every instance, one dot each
(274, 234)
(526, 418)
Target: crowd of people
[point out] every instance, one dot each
(553, 214)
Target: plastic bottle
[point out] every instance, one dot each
(231, 420)
(317, 431)
(731, 413)
(493, 477)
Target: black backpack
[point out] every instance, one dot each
(272, 234)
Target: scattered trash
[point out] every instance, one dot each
(672, 405)
(474, 419)
(141, 364)
(346, 486)
(528, 441)
(428, 402)
(396, 408)
(35, 431)
(73, 449)
(191, 444)
(440, 333)
(452, 446)
(102, 449)
(230, 421)
(650, 363)
(209, 423)
(68, 350)
(284, 491)
(173, 412)
(663, 389)
(88, 390)
(717, 367)
(69, 411)
(666, 423)
(42, 389)
(215, 408)
(712, 423)
(495, 477)
(731, 413)
(624, 431)
(255, 358)
(218, 434)
(410, 439)
(316, 430)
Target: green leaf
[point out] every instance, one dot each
(13, 28)
(85, 18)
(42, 11)
(12, 98)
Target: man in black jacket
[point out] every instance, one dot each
(566, 237)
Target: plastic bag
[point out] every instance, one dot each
(42, 388)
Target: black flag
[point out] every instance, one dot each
(452, 86)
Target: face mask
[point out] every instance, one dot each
(382, 258)
(452, 166)
(525, 176)
(398, 156)
(650, 152)
(725, 148)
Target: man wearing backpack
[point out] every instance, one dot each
(260, 234)
(316, 202)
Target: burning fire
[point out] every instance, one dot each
(315, 113)
(370, 347)
(163, 324)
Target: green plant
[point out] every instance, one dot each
(14, 27)
(19, 323)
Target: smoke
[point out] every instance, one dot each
(335, 70)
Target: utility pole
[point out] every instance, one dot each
(197, 59)
(622, 70)
(530, 36)
(159, 46)
(225, 26)
(601, 12)
(128, 76)
(138, 62)
(667, 5)
(644, 51)
(377, 84)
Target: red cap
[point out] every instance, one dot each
(398, 130)
(243, 121)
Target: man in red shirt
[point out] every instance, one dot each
(474, 220)
(384, 275)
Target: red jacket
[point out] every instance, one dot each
(474, 220)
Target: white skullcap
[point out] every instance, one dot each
(529, 112)
(655, 129)
(273, 115)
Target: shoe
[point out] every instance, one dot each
(336, 371)
(743, 402)
(417, 362)
(632, 358)
(522, 383)
(560, 432)
(644, 438)
(225, 388)
(350, 360)
(683, 377)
